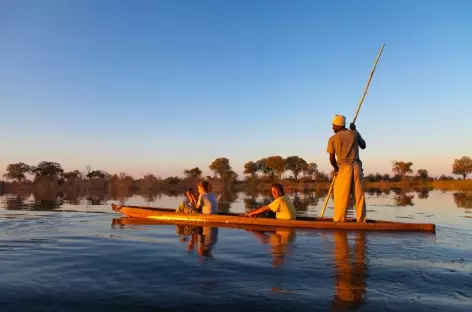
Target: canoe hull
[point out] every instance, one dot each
(169, 215)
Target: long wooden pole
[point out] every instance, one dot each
(368, 84)
(353, 121)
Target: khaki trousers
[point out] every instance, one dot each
(349, 182)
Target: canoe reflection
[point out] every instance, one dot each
(350, 270)
(350, 273)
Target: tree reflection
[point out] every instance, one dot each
(46, 201)
(250, 203)
(463, 199)
(118, 194)
(149, 195)
(15, 202)
(374, 191)
(423, 193)
(226, 198)
(72, 197)
(310, 199)
(297, 202)
(302, 204)
(402, 198)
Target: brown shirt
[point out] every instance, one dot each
(345, 144)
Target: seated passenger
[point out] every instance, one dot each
(282, 206)
(207, 202)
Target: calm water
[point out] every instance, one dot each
(63, 255)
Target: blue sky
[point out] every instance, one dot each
(161, 86)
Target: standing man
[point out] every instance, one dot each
(343, 149)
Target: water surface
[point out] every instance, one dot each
(60, 255)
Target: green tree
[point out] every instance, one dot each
(251, 168)
(48, 169)
(277, 165)
(321, 176)
(265, 169)
(72, 176)
(125, 180)
(220, 166)
(311, 170)
(463, 199)
(295, 164)
(462, 166)
(194, 173)
(17, 172)
(370, 177)
(378, 177)
(230, 176)
(422, 174)
(97, 174)
(402, 168)
(171, 180)
(445, 178)
(149, 180)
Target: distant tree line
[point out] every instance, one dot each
(266, 169)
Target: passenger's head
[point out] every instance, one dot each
(277, 190)
(204, 187)
(339, 123)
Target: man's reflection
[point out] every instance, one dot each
(349, 275)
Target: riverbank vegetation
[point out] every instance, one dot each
(294, 172)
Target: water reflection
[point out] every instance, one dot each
(423, 193)
(35, 202)
(202, 237)
(15, 202)
(308, 199)
(350, 272)
(306, 203)
(349, 266)
(72, 198)
(96, 200)
(280, 240)
(226, 199)
(463, 199)
(402, 197)
(376, 191)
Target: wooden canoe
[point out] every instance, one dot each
(301, 222)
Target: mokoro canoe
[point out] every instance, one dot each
(301, 222)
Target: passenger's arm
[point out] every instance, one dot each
(256, 211)
(199, 203)
(193, 200)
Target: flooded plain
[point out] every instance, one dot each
(76, 254)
